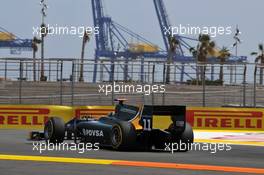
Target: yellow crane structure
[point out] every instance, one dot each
(4, 36)
(142, 47)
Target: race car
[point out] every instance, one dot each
(128, 127)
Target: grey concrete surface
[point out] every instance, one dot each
(15, 143)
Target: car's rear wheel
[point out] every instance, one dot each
(184, 139)
(116, 137)
(54, 130)
(123, 136)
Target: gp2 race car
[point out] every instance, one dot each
(129, 127)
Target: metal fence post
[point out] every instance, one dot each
(164, 82)
(261, 74)
(34, 66)
(231, 74)
(38, 72)
(61, 77)
(57, 70)
(244, 85)
(5, 69)
(72, 82)
(203, 84)
(113, 82)
(20, 81)
(174, 73)
(255, 87)
(153, 74)
(49, 70)
(26, 76)
(101, 71)
(143, 93)
(142, 67)
(153, 81)
(212, 72)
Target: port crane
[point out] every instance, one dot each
(13, 42)
(183, 42)
(112, 42)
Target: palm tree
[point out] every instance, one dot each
(35, 43)
(260, 59)
(86, 39)
(173, 42)
(223, 55)
(194, 53)
(205, 48)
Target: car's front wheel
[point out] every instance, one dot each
(54, 130)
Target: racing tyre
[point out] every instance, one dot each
(123, 136)
(54, 130)
(116, 137)
(184, 139)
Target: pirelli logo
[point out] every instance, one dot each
(95, 113)
(23, 116)
(213, 119)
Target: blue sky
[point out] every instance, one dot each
(139, 15)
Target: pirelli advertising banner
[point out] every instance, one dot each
(34, 116)
(30, 116)
(251, 119)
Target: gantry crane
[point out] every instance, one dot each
(112, 42)
(183, 42)
(11, 41)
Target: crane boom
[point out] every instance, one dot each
(9, 40)
(163, 20)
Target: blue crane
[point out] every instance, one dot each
(183, 41)
(16, 44)
(112, 42)
(165, 25)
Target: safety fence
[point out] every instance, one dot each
(76, 82)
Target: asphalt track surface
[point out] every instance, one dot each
(14, 143)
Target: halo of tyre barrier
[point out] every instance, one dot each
(201, 118)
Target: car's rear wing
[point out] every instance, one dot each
(163, 116)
